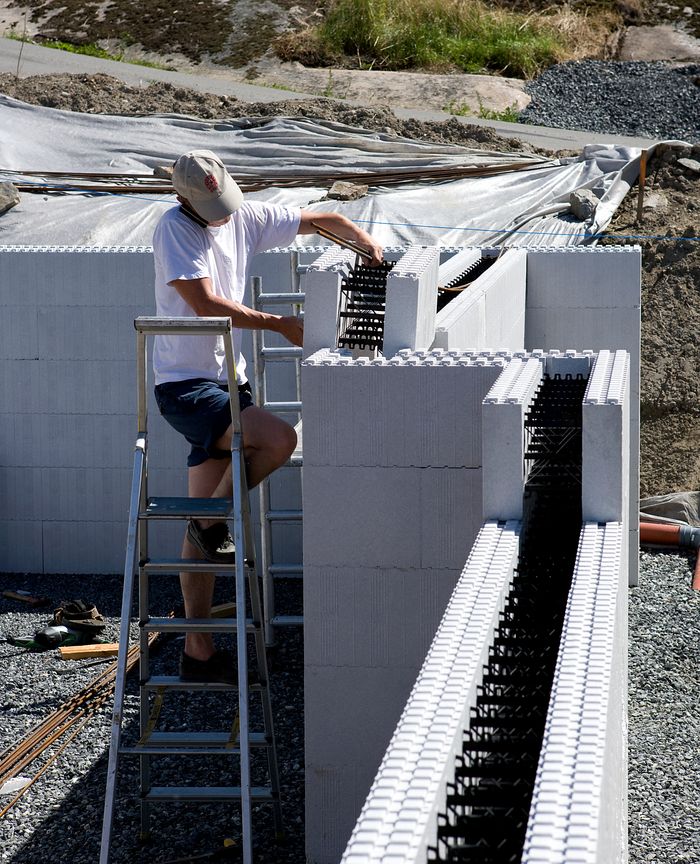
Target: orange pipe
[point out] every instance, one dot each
(657, 532)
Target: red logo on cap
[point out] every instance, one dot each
(211, 183)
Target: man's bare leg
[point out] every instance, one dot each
(198, 588)
(268, 443)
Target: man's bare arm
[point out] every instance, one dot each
(343, 227)
(198, 295)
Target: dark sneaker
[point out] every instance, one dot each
(215, 542)
(220, 668)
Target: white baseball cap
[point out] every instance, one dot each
(200, 176)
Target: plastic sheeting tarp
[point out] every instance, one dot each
(678, 508)
(526, 207)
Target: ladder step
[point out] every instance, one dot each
(205, 793)
(280, 353)
(284, 515)
(186, 565)
(195, 625)
(179, 508)
(282, 406)
(293, 297)
(192, 744)
(174, 682)
(288, 621)
(296, 460)
(286, 569)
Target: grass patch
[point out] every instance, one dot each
(511, 114)
(89, 50)
(442, 35)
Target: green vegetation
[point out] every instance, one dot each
(463, 35)
(90, 50)
(508, 115)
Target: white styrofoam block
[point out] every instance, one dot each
(66, 276)
(580, 277)
(389, 517)
(386, 413)
(100, 547)
(363, 516)
(503, 285)
(581, 773)
(462, 328)
(411, 301)
(21, 547)
(399, 817)
(67, 386)
(19, 333)
(372, 618)
(605, 440)
(321, 286)
(450, 500)
(362, 705)
(503, 438)
(486, 314)
(87, 332)
(597, 329)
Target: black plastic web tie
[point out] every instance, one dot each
(487, 805)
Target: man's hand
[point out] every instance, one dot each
(292, 328)
(376, 253)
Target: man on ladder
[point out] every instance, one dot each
(202, 250)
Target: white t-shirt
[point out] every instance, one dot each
(184, 250)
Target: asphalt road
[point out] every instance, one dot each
(36, 60)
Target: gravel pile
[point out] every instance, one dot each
(60, 818)
(652, 100)
(664, 722)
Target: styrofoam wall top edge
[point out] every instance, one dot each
(79, 249)
(609, 379)
(437, 704)
(417, 261)
(585, 250)
(440, 357)
(332, 258)
(516, 384)
(573, 752)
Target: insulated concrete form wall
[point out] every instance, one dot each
(68, 405)
(591, 298)
(578, 813)
(392, 488)
(399, 818)
(489, 315)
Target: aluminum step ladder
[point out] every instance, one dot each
(262, 355)
(236, 511)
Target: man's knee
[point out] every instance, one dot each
(288, 441)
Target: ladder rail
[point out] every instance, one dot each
(240, 495)
(130, 564)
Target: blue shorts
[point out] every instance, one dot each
(200, 410)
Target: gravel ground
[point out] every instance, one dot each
(664, 723)
(655, 100)
(664, 771)
(42, 826)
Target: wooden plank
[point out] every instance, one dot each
(82, 652)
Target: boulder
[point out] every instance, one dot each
(583, 204)
(9, 196)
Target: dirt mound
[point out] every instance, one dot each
(670, 393)
(102, 94)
